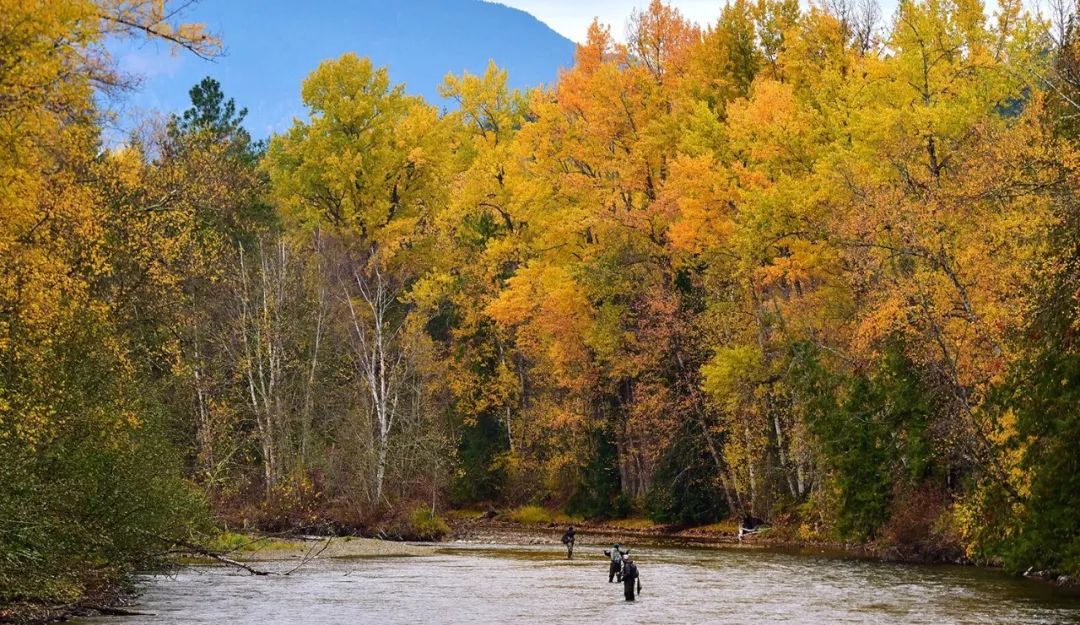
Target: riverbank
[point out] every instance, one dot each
(109, 598)
(469, 526)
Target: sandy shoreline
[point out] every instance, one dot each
(316, 547)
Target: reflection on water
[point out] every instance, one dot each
(527, 585)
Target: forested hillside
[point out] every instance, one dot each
(816, 266)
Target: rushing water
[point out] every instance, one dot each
(533, 585)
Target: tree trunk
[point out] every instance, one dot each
(380, 358)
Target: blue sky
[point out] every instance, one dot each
(271, 45)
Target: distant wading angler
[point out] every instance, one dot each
(615, 569)
(630, 575)
(568, 540)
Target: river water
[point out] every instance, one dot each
(469, 584)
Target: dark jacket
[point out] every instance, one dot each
(629, 576)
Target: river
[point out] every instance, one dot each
(525, 585)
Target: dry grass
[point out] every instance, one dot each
(730, 526)
(531, 515)
(637, 523)
(464, 514)
(539, 515)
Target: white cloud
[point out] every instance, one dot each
(149, 61)
(571, 18)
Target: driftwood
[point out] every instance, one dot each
(186, 547)
(213, 555)
(199, 550)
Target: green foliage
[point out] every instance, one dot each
(480, 477)
(211, 113)
(871, 433)
(854, 446)
(89, 501)
(597, 494)
(234, 542)
(1047, 535)
(229, 541)
(424, 524)
(685, 488)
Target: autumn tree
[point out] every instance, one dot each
(368, 168)
(88, 476)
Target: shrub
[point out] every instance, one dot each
(919, 526)
(229, 541)
(88, 509)
(531, 515)
(424, 524)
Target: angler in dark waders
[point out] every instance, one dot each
(568, 540)
(630, 576)
(615, 569)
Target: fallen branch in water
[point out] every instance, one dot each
(198, 550)
(309, 557)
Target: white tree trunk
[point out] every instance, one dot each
(262, 337)
(380, 359)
